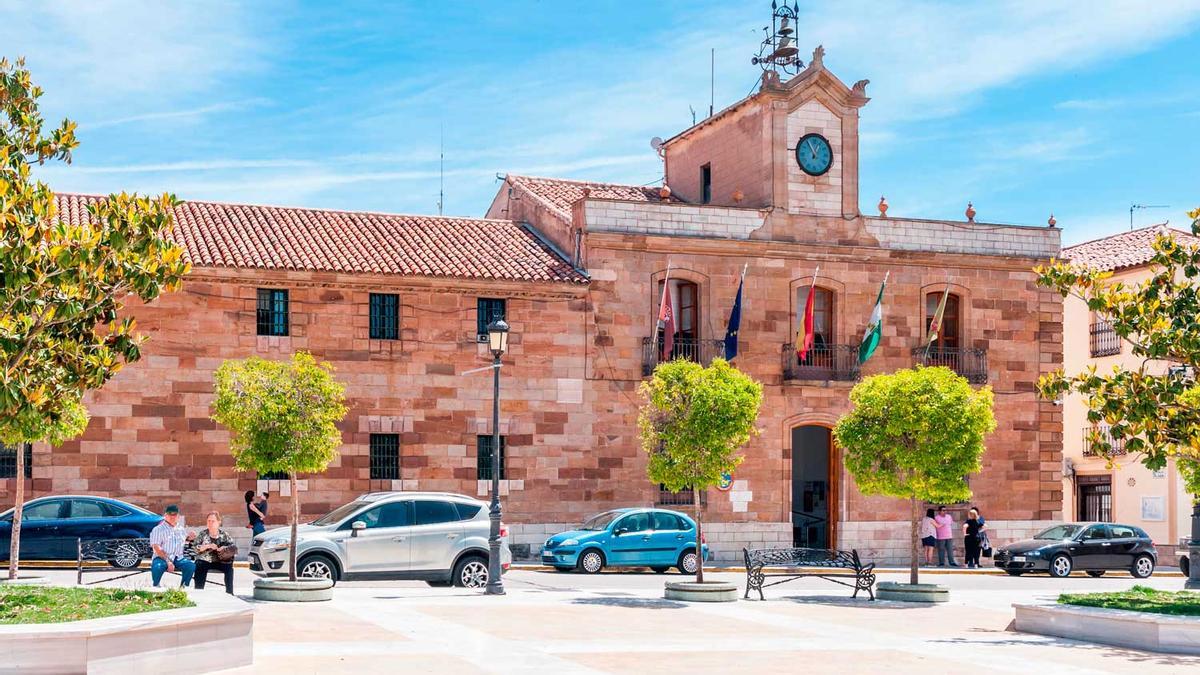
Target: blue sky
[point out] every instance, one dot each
(1021, 107)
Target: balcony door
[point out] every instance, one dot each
(814, 487)
(821, 354)
(948, 338)
(684, 297)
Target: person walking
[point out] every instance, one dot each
(168, 540)
(928, 536)
(944, 533)
(254, 514)
(972, 534)
(214, 550)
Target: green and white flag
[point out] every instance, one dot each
(874, 327)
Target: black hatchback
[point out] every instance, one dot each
(1088, 547)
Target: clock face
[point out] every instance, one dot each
(814, 155)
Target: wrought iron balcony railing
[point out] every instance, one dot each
(822, 363)
(692, 349)
(1104, 340)
(1091, 448)
(970, 363)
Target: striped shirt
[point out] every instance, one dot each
(170, 539)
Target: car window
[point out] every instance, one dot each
(1121, 532)
(431, 513)
(667, 521)
(394, 514)
(1141, 533)
(112, 510)
(42, 510)
(339, 513)
(467, 511)
(1095, 532)
(637, 522)
(82, 508)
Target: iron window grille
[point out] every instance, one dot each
(272, 311)
(483, 457)
(385, 456)
(1092, 446)
(8, 461)
(385, 316)
(682, 498)
(273, 475)
(1103, 340)
(488, 310)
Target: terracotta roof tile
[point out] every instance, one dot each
(275, 237)
(558, 194)
(1127, 249)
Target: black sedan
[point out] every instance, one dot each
(1088, 547)
(50, 526)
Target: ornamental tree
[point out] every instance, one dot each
(62, 285)
(282, 417)
(1153, 409)
(693, 421)
(915, 434)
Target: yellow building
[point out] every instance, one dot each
(1126, 492)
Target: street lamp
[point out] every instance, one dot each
(498, 343)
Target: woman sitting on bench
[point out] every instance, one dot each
(214, 550)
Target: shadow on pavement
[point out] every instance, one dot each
(843, 601)
(1107, 651)
(632, 603)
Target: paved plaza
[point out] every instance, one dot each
(618, 623)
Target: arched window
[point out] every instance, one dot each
(949, 337)
(684, 297)
(821, 353)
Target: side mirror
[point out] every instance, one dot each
(356, 527)
(620, 531)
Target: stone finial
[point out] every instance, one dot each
(1052, 222)
(738, 196)
(860, 87)
(587, 192)
(664, 192)
(818, 57)
(970, 212)
(883, 207)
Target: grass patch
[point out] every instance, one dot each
(1139, 599)
(49, 604)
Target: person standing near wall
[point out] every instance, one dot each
(945, 537)
(928, 536)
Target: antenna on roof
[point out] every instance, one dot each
(712, 79)
(441, 166)
(1142, 207)
(693, 114)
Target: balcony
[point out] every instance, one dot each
(823, 363)
(692, 349)
(1103, 340)
(970, 363)
(1091, 448)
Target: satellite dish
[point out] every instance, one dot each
(657, 144)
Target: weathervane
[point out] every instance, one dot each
(778, 51)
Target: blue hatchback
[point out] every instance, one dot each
(654, 538)
(50, 526)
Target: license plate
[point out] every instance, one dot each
(547, 554)
(1018, 558)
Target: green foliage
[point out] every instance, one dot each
(1155, 413)
(282, 415)
(694, 420)
(1139, 599)
(51, 604)
(915, 434)
(29, 426)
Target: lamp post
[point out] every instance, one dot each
(498, 343)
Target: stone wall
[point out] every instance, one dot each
(814, 194)
(955, 237)
(688, 220)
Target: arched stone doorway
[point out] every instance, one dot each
(814, 487)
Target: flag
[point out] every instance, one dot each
(666, 319)
(804, 331)
(935, 326)
(735, 321)
(874, 327)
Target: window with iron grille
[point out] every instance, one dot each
(385, 316)
(8, 461)
(483, 457)
(487, 311)
(273, 475)
(385, 456)
(272, 311)
(1103, 340)
(682, 498)
(1095, 498)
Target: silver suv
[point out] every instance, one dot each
(437, 537)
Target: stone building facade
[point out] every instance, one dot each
(580, 268)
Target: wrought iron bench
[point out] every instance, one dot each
(116, 555)
(758, 560)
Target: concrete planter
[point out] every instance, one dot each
(300, 590)
(709, 591)
(1118, 627)
(892, 590)
(214, 635)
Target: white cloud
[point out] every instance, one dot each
(167, 115)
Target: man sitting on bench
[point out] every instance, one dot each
(168, 542)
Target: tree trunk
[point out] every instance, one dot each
(14, 545)
(915, 547)
(699, 537)
(295, 519)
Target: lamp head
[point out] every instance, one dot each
(498, 336)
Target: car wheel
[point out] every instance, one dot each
(591, 561)
(1060, 566)
(1014, 573)
(688, 562)
(125, 556)
(1095, 573)
(317, 566)
(471, 572)
(660, 570)
(1142, 567)
(439, 583)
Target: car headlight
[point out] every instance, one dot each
(1033, 554)
(278, 543)
(570, 542)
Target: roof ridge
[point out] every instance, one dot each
(1118, 234)
(578, 181)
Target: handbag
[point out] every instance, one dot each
(225, 554)
(985, 546)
